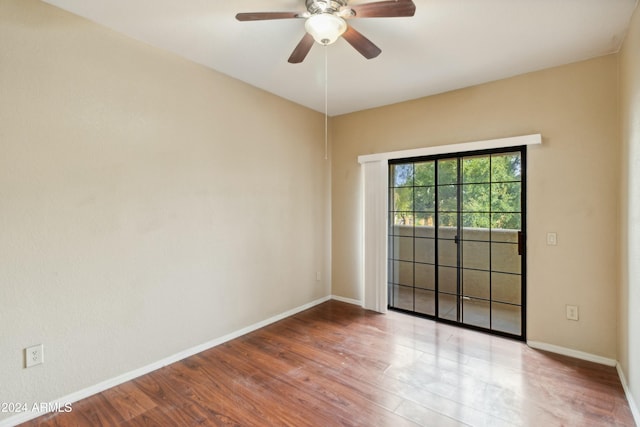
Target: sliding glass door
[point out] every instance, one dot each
(456, 240)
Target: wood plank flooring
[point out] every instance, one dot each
(339, 365)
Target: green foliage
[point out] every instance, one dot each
(489, 188)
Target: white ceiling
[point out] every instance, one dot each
(448, 44)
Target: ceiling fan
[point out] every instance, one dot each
(326, 22)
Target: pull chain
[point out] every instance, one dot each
(326, 104)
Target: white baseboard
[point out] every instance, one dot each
(104, 385)
(632, 403)
(347, 300)
(572, 353)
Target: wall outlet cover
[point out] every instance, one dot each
(34, 355)
(572, 312)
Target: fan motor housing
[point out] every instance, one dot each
(325, 6)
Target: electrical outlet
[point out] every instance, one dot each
(34, 355)
(552, 239)
(572, 312)
(318, 276)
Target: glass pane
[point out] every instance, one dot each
(425, 250)
(447, 228)
(506, 167)
(425, 276)
(402, 297)
(476, 226)
(404, 221)
(504, 235)
(447, 253)
(425, 302)
(476, 255)
(448, 198)
(425, 200)
(402, 273)
(402, 175)
(424, 225)
(506, 288)
(403, 199)
(476, 169)
(425, 173)
(476, 312)
(447, 171)
(402, 249)
(448, 220)
(476, 284)
(475, 197)
(506, 221)
(506, 318)
(391, 224)
(505, 258)
(447, 280)
(505, 197)
(399, 228)
(447, 306)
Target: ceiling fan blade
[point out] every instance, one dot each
(263, 16)
(361, 43)
(302, 49)
(384, 9)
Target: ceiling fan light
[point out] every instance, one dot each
(325, 28)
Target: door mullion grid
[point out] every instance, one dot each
(459, 237)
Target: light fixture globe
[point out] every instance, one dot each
(325, 28)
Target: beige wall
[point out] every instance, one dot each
(147, 204)
(572, 177)
(629, 303)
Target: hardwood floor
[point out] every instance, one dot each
(338, 365)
